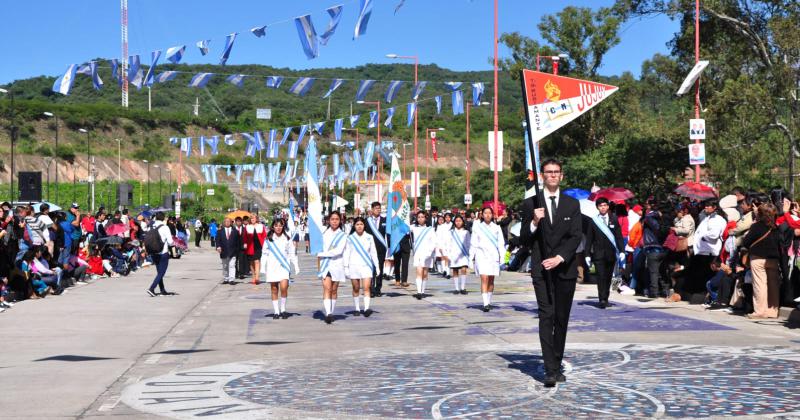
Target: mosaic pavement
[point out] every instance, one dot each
(604, 381)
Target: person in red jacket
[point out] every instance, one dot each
(253, 236)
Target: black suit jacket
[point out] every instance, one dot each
(230, 246)
(381, 233)
(597, 242)
(561, 237)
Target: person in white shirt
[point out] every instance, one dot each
(332, 263)
(275, 266)
(360, 261)
(487, 248)
(161, 260)
(424, 248)
(442, 241)
(707, 246)
(458, 254)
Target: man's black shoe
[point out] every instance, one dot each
(603, 304)
(549, 380)
(560, 377)
(463, 292)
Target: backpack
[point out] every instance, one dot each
(152, 241)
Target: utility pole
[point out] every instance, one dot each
(124, 69)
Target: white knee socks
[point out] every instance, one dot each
(367, 300)
(485, 297)
(356, 303)
(418, 282)
(463, 278)
(455, 283)
(489, 294)
(424, 285)
(283, 304)
(276, 307)
(326, 303)
(333, 305)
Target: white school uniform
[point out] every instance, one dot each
(443, 239)
(424, 245)
(271, 265)
(331, 258)
(486, 248)
(457, 257)
(355, 265)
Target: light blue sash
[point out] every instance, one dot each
(606, 231)
(376, 232)
(361, 251)
(489, 236)
(273, 249)
(326, 260)
(460, 243)
(418, 241)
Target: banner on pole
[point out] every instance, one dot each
(553, 101)
(697, 129)
(697, 154)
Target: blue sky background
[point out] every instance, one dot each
(43, 37)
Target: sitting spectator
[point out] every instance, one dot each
(25, 266)
(41, 266)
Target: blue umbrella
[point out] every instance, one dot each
(146, 214)
(577, 193)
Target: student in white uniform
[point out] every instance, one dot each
(442, 241)
(486, 248)
(275, 266)
(424, 247)
(331, 263)
(360, 261)
(457, 249)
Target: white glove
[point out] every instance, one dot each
(621, 256)
(588, 261)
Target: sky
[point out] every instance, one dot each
(43, 37)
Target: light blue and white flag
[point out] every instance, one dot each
(286, 132)
(202, 142)
(301, 86)
(411, 108)
(354, 120)
(363, 88)
(236, 79)
(64, 83)
(373, 119)
(133, 68)
(272, 146)
(338, 125)
(318, 127)
(364, 13)
(392, 90)
(458, 102)
(335, 13)
(213, 143)
(97, 82)
(418, 89)
(369, 153)
(334, 85)
(154, 57)
(229, 139)
(477, 93)
(253, 143)
(186, 146)
(389, 115)
(175, 54)
(200, 80)
(398, 212)
(336, 165)
(259, 31)
(308, 36)
(166, 76)
(138, 79)
(226, 52)
(203, 46)
(274, 81)
(115, 70)
(438, 100)
(291, 149)
(453, 85)
(303, 131)
(173, 140)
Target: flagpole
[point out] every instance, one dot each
(468, 106)
(414, 185)
(496, 180)
(697, 83)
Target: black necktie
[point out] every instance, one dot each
(553, 208)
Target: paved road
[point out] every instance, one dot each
(107, 349)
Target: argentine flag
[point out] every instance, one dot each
(314, 199)
(200, 80)
(308, 36)
(334, 85)
(64, 83)
(394, 88)
(458, 102)
(274, 81)
(373, 119)
(166, 76)
(318, 127)
(226, 52)
(412, 109)
(418, 89)
(338, 125)
(301, 86)
(148, 78)
(174, 54)
(389, 115)
(354, 120)
(399, 212)
(203, 46)
(336, 14)
(365, 11)
(363, 88)
(477, 93)
(186, 146)
(259, 31)
(438, 100)
(236, 79)
(286, 132)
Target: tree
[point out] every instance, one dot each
(235, 105)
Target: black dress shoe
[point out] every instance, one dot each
(549, 380)
(328, 319)
(485, 308)
(603, 304)
(367, 313)
(418, 296)
(276, 316)
(356, 313)
(377, 294)
(560, 377)
(285, 315)
(463, 292)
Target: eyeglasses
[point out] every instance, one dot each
(552, 173)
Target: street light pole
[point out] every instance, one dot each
(119, 160)
(90, 179)
(55, 157)
(13, 133)
(148, 180)
(496, 183)
(416, 71)
(428, 132)
(697, 83)
(356, 130)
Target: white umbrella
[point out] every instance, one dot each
(588, 208)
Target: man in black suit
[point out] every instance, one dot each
(376, 226)
(229, 243)
(604, 247)
(553, 234)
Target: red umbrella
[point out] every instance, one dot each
(695, 191)
(116, 229)
(615, 194)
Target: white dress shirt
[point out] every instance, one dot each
(548, 203)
